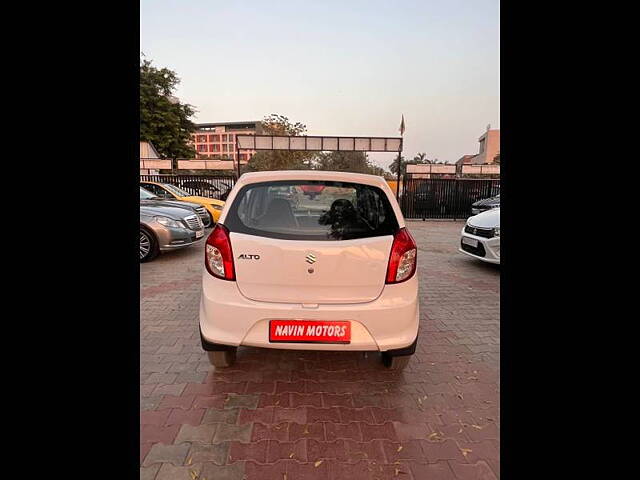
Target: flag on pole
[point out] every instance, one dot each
(402, 125)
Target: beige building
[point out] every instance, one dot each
(489, 147)
(217, 141)
(150, 161)
(488, 150)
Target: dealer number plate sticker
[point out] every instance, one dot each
(309, 331)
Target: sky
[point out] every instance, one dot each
(345, 67)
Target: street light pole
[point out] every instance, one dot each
(399, 164)
(238, 156)
(400, 159)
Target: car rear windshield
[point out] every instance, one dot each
(312, 210)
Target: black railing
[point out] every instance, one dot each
(211, 186)
(443, 197)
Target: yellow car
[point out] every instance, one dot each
(166, 190)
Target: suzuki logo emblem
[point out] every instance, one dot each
(311, 258)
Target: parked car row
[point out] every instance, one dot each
(167, 222)
(168, 191)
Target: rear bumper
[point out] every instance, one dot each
(387, 323)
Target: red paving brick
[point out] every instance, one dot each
(439, 419)
(256, 451)
(179, 416)
(287, 450)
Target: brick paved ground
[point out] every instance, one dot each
(290, 415)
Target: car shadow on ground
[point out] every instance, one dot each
(291, 365)
(491, 268)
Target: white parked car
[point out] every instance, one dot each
(481, 236)
(331, 269)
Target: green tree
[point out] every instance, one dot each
(356, 162)
(164, 121)
(280, 159)
(394, 166)
(421, 158)
(418, 159)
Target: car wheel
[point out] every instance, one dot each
(395, 362)
(148, 246)
(222, 358)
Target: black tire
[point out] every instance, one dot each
(222, 358)
(395, 362)
(146, 255)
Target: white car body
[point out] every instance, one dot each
(308, 280)
(481, 236)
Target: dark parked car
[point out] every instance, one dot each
(200, 187)
(486, 204)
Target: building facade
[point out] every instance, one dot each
(217, 141)
(150, 161)
(489, 148)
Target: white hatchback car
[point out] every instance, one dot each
(331, 269)
(481, 236)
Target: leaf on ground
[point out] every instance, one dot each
(460, 396)
(466, 451)
(193, 474)
(317, 464)
(306, 429)
(189, 461)
(477, 427)
(399, 448)
(291, 455)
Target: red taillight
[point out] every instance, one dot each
(402, 261)
(218, 256)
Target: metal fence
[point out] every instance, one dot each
(443, 197)
(420, 197)
(213, 186)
